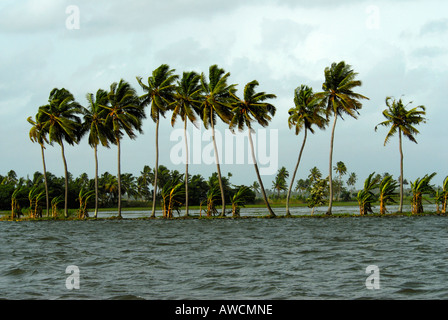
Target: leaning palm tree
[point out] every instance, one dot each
(403, 121)
(187, 102)
(339, 99)
(252, 107)
(95, 124)
(60, 118)
(387, 193)
(366, 197)
(124, 115)
(159, 94)
(37, 134)
(445, 194)
(306, 113)
(216, 103)
(420, 187)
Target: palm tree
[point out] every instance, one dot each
(387, 188)
(306, 113)
(60, 119)
(445, 194)
(340, 169)
(420, 187)
(351, 181)
(239, 199)
(366, 196)
(339, 99)
(247, 110)
(95, 124)
(315, 174)
(37, 134)
(159, 94)
(404, 121)
(216, 102)
(279, 183)
(186, 106)
(124, 113)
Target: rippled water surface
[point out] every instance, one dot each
(299, 258)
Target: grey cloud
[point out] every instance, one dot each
(434, 27)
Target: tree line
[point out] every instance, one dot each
(196, 97)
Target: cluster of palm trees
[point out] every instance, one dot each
(112, 114)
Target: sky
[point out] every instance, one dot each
(398, 48)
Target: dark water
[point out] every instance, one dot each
(226, 259)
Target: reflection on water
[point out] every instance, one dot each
(226, 259)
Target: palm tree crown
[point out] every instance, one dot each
(398, 118)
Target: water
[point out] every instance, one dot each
(226, 259)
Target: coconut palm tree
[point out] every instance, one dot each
(403, 121)
(306, 113)
(98, 132)
(387, 188)
(186, 105)
(252, 107)
(37, 134)
(420, 187)
(366, 197)
(159, 94)
(340, 169)
(239, 199)
(60, 119)
(216, 103)
(445, 194)
(124, 116)
(339, 99)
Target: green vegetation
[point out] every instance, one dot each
(111, 115)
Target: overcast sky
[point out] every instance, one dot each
(399, 48)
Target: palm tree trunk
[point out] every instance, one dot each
(400, 208)
(45, 180)
(186, 168)
(66, 181)
(223, 199)
(271, 213)
(96, 181)
(330, 176)
(156, 170)
(294, 174)
(119, 178)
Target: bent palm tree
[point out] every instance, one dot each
(159, 94)
(403, 121)
(250, 109)
(445, 194)
(60, 119)
(420, 187)
(306, 113)
(339, 99)
(186, 105)
(99, 132)
(366, 196)
(387, 188)
(216, 102)
(124, 115)
(37, 134)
